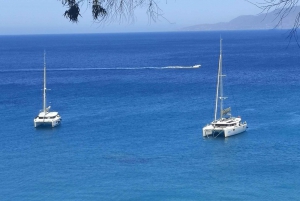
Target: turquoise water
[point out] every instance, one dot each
(132, 129)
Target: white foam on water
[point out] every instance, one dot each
(88, 69)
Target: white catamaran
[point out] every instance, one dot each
(46, 117)
(226, 125)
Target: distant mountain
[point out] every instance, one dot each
(250, 22)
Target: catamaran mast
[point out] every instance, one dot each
(219, 83)
(44, 94)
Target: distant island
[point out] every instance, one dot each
(250, 22)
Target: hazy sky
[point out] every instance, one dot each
(46, 16)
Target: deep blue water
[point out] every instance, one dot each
(134, 132)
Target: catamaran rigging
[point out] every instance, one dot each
(45, 117)
(226, 124)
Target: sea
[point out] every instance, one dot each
(133, 109)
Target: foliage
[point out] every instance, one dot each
(111, 10)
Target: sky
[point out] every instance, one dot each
(46, 17)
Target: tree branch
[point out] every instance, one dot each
(283, 8)
(106, 11)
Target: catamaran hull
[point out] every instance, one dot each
(226, 132)
(52, 124)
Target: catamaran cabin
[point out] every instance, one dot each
(227, 122)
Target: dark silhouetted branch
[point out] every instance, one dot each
(112, 10)
(283, 8)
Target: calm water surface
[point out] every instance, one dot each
(132, 129)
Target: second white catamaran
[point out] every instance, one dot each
(226, 125)
(46, 117)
